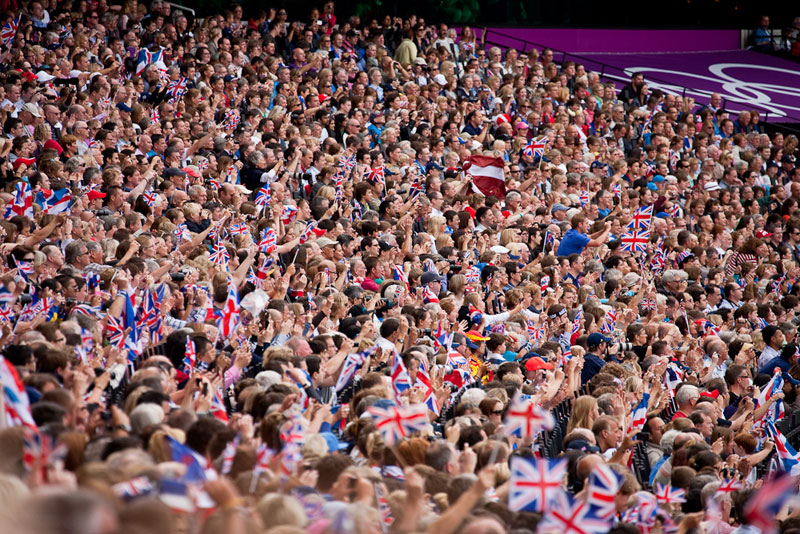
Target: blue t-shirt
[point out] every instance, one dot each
(573, 243)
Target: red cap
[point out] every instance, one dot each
(536, 363)
(23, 161)
(52, 143)
(94, 195)
(761, 234)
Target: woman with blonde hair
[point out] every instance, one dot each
(435, 227)
(584, 413)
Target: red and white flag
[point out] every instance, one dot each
(487, 175)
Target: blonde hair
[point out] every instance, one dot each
(281, 510)
(582, 413)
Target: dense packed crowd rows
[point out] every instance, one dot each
(350, 276)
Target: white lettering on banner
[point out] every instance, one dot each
(750, 94)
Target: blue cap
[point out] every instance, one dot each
(657, 179)
(595, 339)
(652, 187)
(662, 214)
(123, 107)
(468, 343)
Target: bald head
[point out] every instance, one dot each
(587, 464)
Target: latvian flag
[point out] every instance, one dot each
(487, 175)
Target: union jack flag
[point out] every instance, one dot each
(213, 183)
(135, 487)
(264, 456)
(17, 407)
(617, 190)
(584, 198)
(229, 454)
(376, 175)
(23, 201)
(639, 415)
(424, 381)
(383, 506)
(189, 356)
(789, 459)
(26, 269)
(400, 276)
(309, 229)
(644, 512)
(231, 175)
(218, 409)
(526, 420)
(569, 515)
(428, 296)
(668, 495)
(239, 229)
(229, 320)
(115, 333)
(641, 218)
(648, 304)
(176, 89)
(549, 239)
(288, 214)
(609, 321)
(400, 378)
(398, 422)
(764, 505)
(351, 365)
(544, 282)
(472, 275)
(455, 358)
(9, 32)
(773, 387)
(263, 197)
(535, 482)
(269, 240)
(729, 486)
(155, 115)
(536, 333)
(145, 58)
(182, 232)
(219, 255)
(536, 148)
(576, 322)
(347, 162)
(635, 240)
(6, 313)
(231, 120)
(604, 484)
(150, 198)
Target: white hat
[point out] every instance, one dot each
(499, 249)
(44, 76)
(712, 186)
(440, 79)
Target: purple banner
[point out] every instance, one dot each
(579, 41)
(745, 80)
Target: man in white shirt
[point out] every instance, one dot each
(773, 338)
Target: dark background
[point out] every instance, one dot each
(666, 14)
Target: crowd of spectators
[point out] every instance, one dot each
(233, 245)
